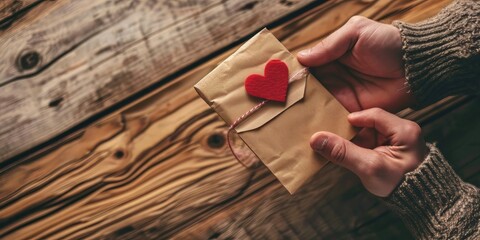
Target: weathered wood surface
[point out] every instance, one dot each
(11, 9)
(159, 167)
(65, 61)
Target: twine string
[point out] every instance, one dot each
(251, 112)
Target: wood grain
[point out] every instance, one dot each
(54, 76)
(158, 168)
(11, 10)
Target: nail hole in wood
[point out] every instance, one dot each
(214, 236)
(55, 102)
(119, 154)
(248, 6)
(125, 230)
(216, 140)
(286, 3)
(28, 60)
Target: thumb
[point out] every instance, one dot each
(332, 47)
(342, 152)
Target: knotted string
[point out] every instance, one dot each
(253, 110)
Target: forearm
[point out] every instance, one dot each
(435, 203)
(442, 54)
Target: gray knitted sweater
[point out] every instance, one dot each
(442, 57)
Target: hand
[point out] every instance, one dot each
(361, 65)
(381, 154)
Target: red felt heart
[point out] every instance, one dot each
(272, 86)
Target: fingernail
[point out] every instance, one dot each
(304, 52)
(320, 144)
(352, 114)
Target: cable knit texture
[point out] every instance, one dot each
(442, 54)
(435, 203)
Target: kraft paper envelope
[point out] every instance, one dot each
(278, 133)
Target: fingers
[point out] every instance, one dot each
(342, 152)
(333, 46)
(367, 138)
(379, 119)
(329, 49)
(399, 131)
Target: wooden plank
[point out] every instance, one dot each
(159, 168)
(77, 58)
(456, 134)
(11, 10)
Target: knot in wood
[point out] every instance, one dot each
(28, 60)
(119, 154)
(216, 140)
(55, 102)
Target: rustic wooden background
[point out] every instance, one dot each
(102, 135)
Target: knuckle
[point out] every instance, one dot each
(376, 111)
(412, 128)
(357, 20)
(338, 152)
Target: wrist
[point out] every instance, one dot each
(433, 197)
(438, 53)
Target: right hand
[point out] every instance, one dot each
(361, 65)
(381, 154)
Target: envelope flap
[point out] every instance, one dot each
(223, 87)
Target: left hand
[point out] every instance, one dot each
(381, 154)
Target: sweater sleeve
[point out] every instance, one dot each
(442, 54)
(435, 203)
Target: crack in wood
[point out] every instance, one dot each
(13, 12)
